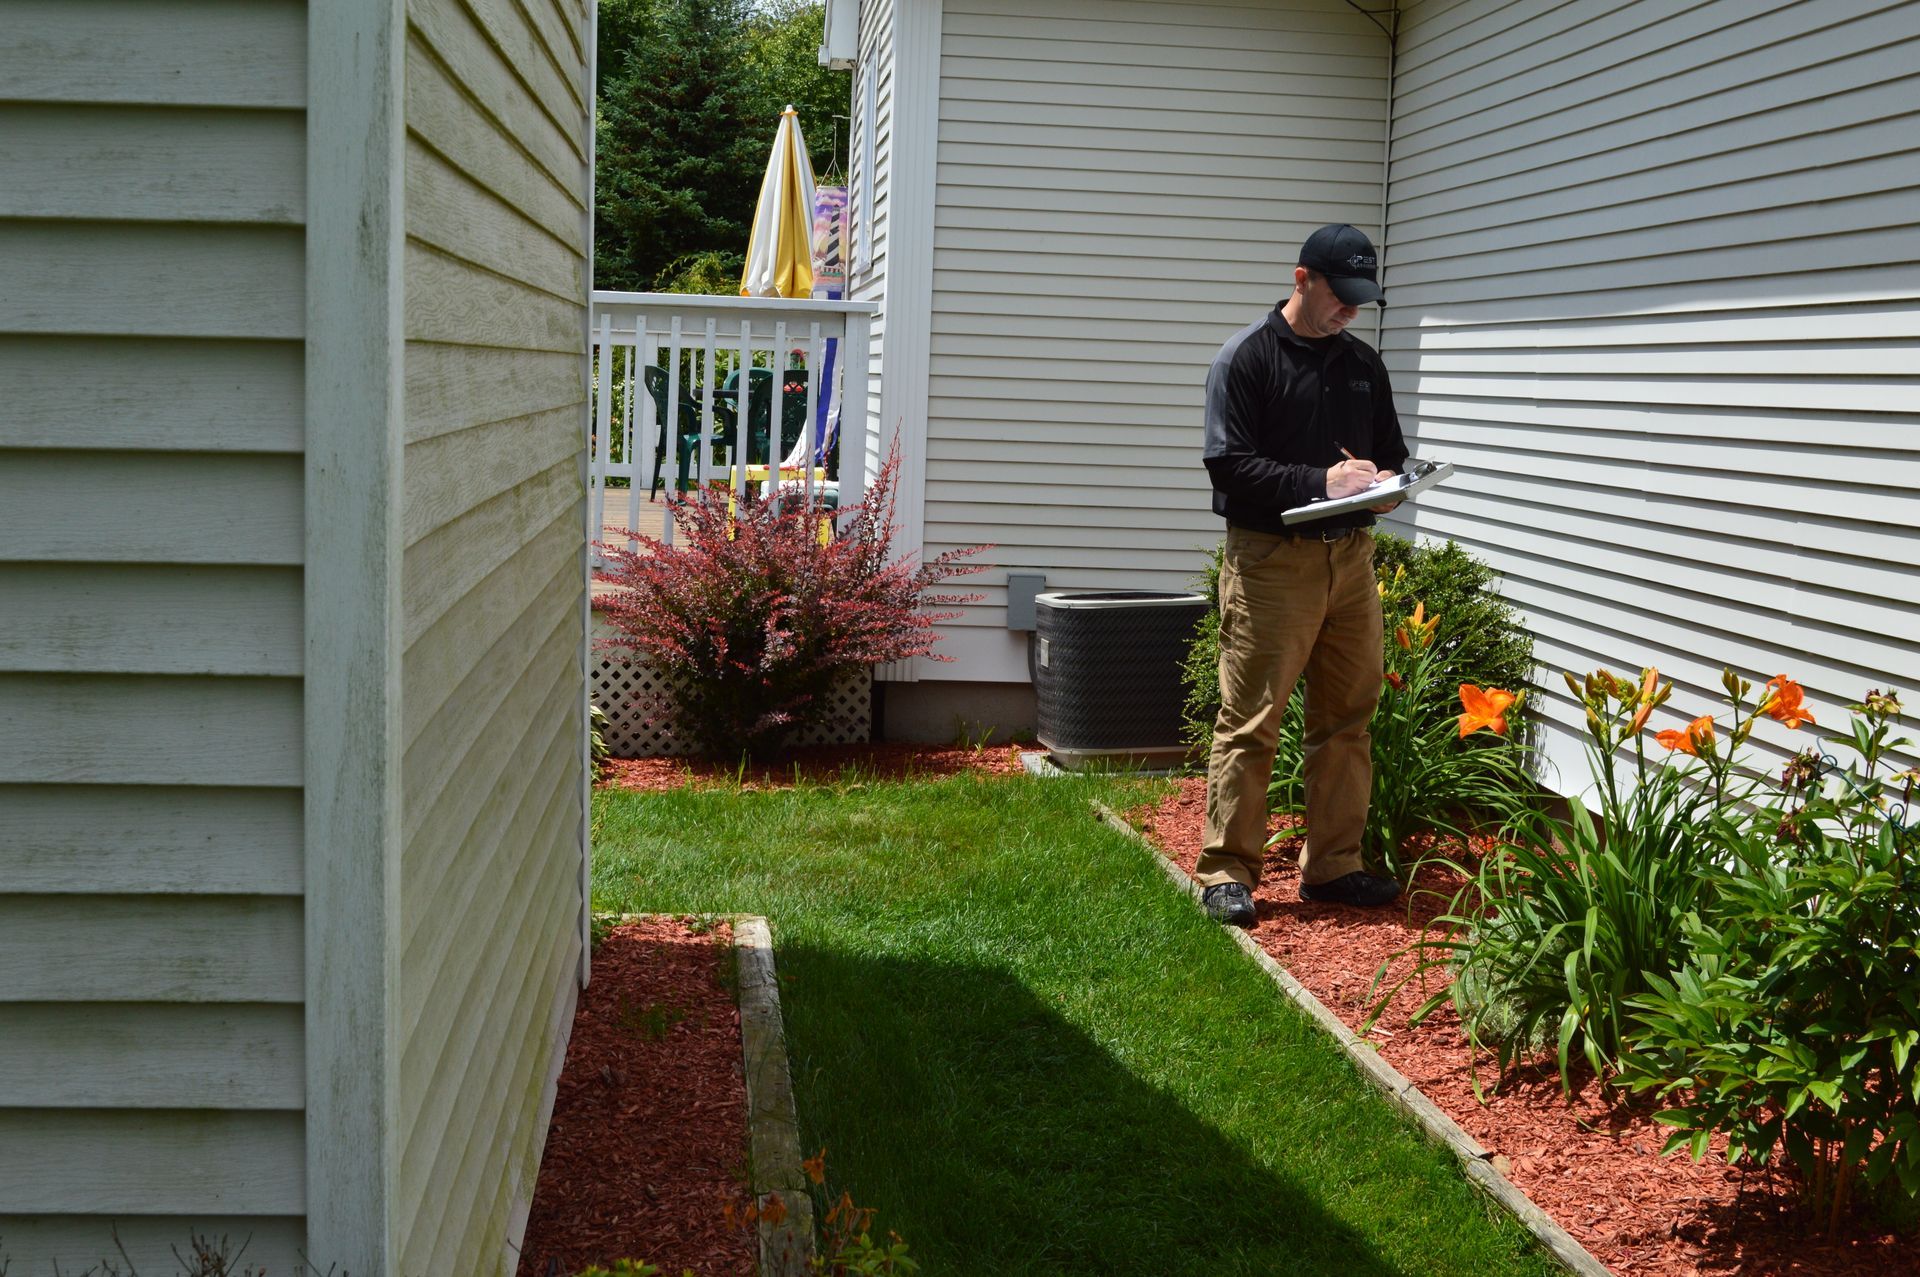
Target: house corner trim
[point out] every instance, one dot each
(355, 234)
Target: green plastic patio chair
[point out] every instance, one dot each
(793, 410)
(687, 441)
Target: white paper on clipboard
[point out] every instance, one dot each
(1419, 476)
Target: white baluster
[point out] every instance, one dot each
(672, 425)
(602, 434)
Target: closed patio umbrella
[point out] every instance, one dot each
(780, 264)
(780, 253)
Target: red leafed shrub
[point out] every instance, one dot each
(752, 615)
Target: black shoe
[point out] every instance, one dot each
(1367, 890)
(1229, 902)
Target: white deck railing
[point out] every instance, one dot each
(695, 345)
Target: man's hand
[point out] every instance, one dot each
(1350, 477)
(1389, 506)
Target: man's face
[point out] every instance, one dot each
(1321, 313)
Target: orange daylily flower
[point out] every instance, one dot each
(1484, 708)
(1395, 681)
(1784, 702)
(1688, 740)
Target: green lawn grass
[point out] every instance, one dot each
(1031, 1054)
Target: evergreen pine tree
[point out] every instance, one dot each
(681, 147)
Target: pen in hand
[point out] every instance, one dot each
(1376, 480)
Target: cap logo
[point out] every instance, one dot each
(1361, 261)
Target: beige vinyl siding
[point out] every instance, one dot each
(492, 520)
(1654, 274)
(1121, 186)
(152, 195)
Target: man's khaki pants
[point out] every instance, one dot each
(1291, 606)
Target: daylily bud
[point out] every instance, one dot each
(1640, 719)
(1573, 684)
(1400, 637)
(1648, 682)
(1729, 680)
(1700, 732)
(1593, 723)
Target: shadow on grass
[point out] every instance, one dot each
(997, 1137)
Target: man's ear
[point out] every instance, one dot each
(1299, 279)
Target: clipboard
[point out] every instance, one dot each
(1418, 477)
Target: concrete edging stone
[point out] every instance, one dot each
(1479, 1162)
(773, 1125)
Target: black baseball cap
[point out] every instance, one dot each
(1346, 258)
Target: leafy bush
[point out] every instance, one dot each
(1484, 643)
(1435, 770)
(597, 749)
(1200, 670)
(712, 273)
(1558, 927)
(753, 615)
(1794, 1020)
(1426, 775)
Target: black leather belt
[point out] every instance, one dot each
(1327, 534)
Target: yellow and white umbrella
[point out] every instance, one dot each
(780, 254)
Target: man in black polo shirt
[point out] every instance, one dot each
(1298, 410)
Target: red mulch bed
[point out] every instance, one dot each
(1590, 1163)
(647, 1153)
(890, 760)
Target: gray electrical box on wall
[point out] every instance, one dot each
(1022, 589)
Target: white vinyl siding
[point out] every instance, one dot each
(1122, 185)
(492, 520)
(1655, 284)
(870, 188)
(152, 252)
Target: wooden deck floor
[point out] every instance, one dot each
(619, 517)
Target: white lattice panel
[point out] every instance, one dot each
(633, 697)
